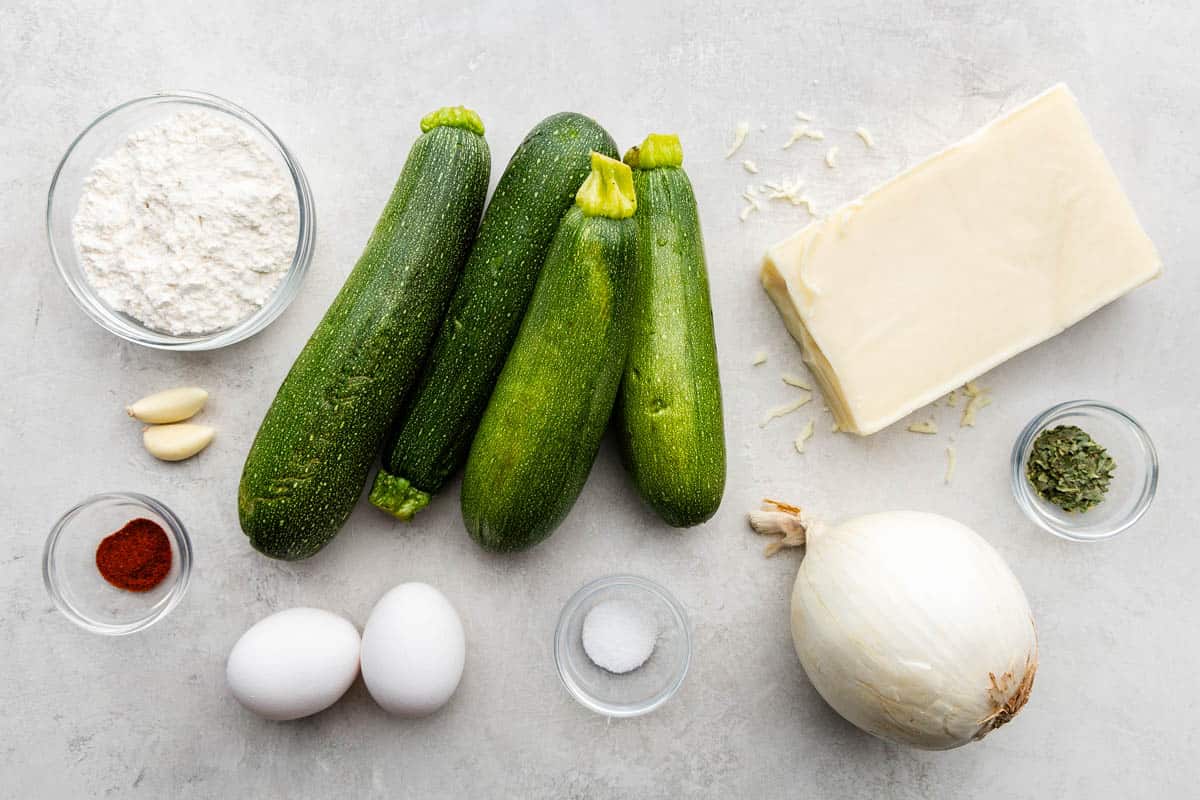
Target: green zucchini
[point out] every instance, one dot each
(542, 427)
(536, 189)
(669, 408)
(310, 459)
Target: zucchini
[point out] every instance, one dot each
(669, 407)
(536, 189)
(310, 459)
(542, 427)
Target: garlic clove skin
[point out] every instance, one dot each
(177, 442)
(172, 405)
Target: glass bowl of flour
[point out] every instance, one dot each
(180, 221)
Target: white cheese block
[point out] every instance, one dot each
(983, 250)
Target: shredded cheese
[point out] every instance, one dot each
(791, 192)
(784, 410)
(752, 203)
(831, 157)
(866, 137)
(803, 132)
(760, 358)
(797, 135)
(739, 138)
(973, 406)
(928, 426)
(979, 399)
(750, 167)
(804, 436)
(951, 458)
(800, 115)
(793, 380)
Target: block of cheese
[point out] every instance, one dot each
(963, 261)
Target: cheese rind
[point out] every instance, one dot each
(954, 266)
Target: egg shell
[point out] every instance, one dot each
(294, 663)
(413, 650)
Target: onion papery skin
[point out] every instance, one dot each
(913, 628)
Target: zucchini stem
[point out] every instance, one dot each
(608, 189)
(452, 117)
(397, 496)
(658, 150)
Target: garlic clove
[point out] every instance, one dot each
(177, 442)
(172, 405)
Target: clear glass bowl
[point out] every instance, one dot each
(100, 139)
(641, 690)
(79, 590)
(1134, 479)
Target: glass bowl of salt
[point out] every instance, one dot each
(622, 646)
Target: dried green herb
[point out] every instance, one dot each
(1068, 468)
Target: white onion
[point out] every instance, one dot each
(909, 625)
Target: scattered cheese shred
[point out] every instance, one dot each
(951, 458)
(750, 167)
(979, 399)
(797, 135)
(782, 411)
(866, 137)
(973, 406)
(760, 358)
(804, 436)
(800, 115)
(802, 132)
(831, 157)
(794, 380)
(834, 427)
(791, 192)
(739, 138)
(752, 203)
(928, 426)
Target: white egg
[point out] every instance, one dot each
(294, 663)
(413, 650)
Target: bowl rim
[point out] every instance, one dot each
(572, 606)
(284, 293)
(1024, 495)
(183, 546)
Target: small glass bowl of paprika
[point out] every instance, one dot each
(117, 563)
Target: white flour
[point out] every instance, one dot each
(189, 226)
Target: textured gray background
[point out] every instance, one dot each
(1114, 712)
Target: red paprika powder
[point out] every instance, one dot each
(135, 558)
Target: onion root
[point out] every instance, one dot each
(780, 519)
(1006, 703)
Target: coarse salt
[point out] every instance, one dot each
(619, 635)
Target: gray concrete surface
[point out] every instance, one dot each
(1114, 712)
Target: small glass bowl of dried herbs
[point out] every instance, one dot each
(1084, 470)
